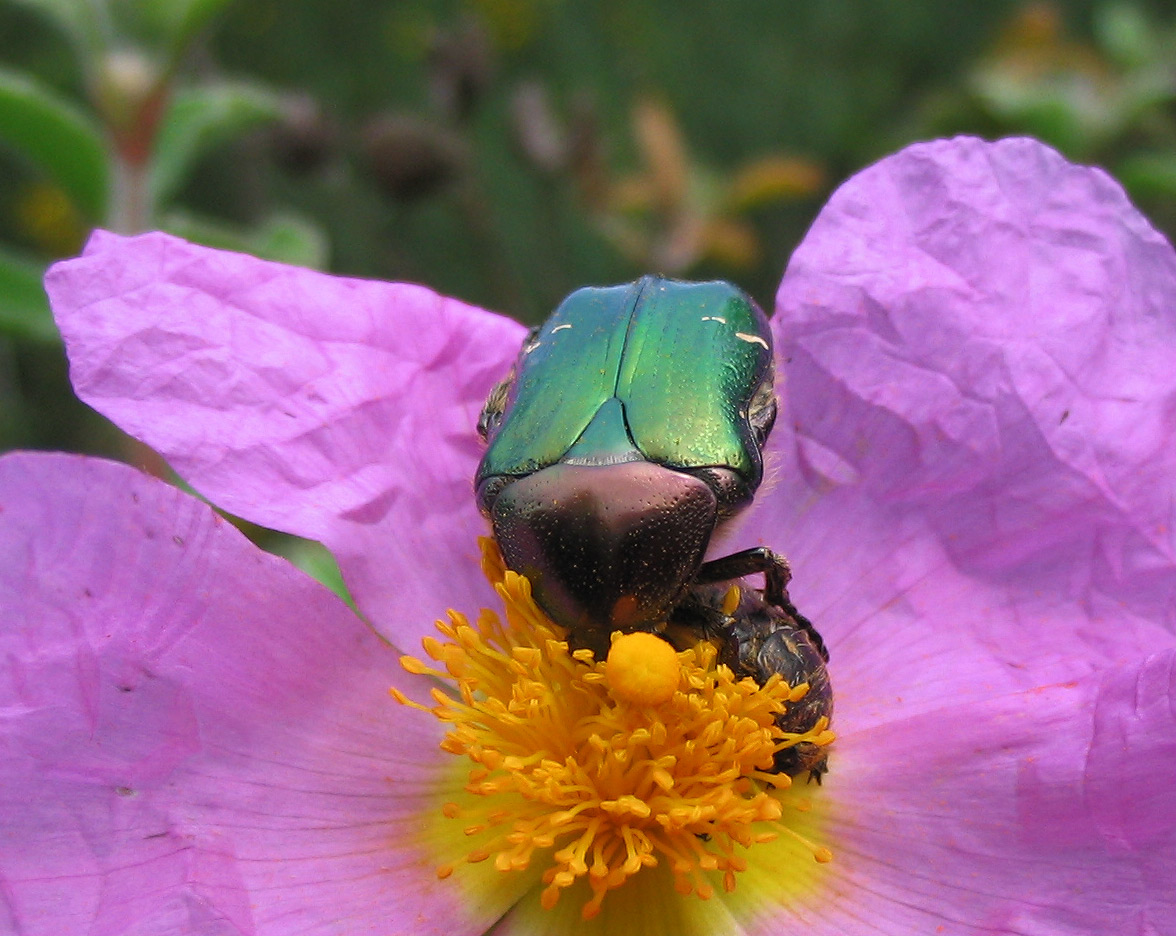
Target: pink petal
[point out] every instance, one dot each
(908, 627)
(957, 540)
(1050, 811)
(975, 479)
(196, 737)
(338, 409)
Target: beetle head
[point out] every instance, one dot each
(606, 547)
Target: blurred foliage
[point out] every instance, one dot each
(508, 151)
(1106, 95)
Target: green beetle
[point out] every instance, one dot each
(630, 428)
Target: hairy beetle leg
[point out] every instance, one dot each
(777, 574)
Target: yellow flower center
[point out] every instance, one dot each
(605, 767)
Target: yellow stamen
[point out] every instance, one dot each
(603, 768)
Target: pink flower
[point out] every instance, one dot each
(974, 479)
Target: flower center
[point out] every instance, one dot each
(605, 767)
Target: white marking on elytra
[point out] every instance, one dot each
(560, 328)
(751, 339)
(714, 318)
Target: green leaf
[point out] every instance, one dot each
(75, 18)
(282, 237)
(1124, 32)
(293, 240)
(58, 138)
(199, 119)
(165, 25)
(1148, 175)
(316, 561)
(24, 309)
(190, 16)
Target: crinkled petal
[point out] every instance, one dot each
(338, 409)
(1050, 811)
(975, 461)
(908, 628)
(197, 738)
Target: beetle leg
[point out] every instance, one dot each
(777, 574)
